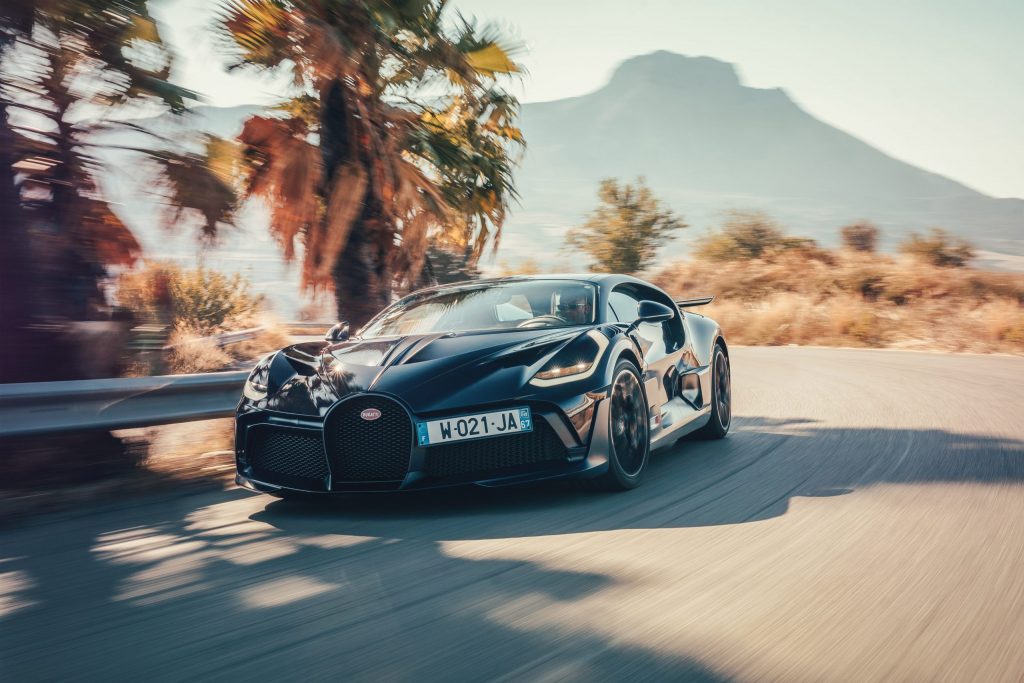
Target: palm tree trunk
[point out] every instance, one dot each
(362, 277)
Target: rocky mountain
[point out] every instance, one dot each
(707, 144)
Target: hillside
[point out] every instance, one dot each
(707, 143)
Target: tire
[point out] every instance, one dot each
(721, 398)
(629, 437)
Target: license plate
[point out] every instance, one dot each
(478, 426)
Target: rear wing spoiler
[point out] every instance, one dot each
(690, 303)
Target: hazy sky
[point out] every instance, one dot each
(938, 83)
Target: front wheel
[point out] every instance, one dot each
(629, 443)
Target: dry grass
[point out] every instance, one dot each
(272, 337)
(190, 450)
(190, 353)
(850, 298)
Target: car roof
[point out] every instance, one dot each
(601, 279)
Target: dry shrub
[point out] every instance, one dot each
(190, 353)
(861, 276)
(856, 298)
(175, 307)
(861, 236)
(743, 235)
(199, 300)
(778, 319)
(189, 450)
(1003, 322)
(939, 248)
(855, 321)
(273, 336)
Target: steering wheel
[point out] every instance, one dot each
(541, 319)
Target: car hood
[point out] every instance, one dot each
(432, 372)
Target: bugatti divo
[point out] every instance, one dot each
(490, 382)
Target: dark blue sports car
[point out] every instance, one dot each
(490, 382)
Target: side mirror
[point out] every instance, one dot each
(338, 333)
(651, 312)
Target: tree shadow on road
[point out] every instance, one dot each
(186, 591)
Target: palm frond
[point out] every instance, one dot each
(110, 239)
(202, 183)
(282, 168)
(259, 30)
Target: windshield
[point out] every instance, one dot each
(529, 304)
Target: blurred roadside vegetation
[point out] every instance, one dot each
(395, 144)
(71, 74)
(197, 300)
(774, 288)
(178, 311)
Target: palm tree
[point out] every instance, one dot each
(63, 68)
(399, 135)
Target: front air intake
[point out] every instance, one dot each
(286, 456)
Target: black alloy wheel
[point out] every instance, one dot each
(628, 431)
(721, 398)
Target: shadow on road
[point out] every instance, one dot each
(750, 476)
(365, 588)
(201, 593)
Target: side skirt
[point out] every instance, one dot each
(667, 438)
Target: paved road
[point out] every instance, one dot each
(864, 521)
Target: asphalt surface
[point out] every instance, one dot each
(864, 521)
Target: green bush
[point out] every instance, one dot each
(624, 232)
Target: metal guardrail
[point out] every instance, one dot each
(308, 326)
(49, 407)
(120, 403)
(222, 339)
(227, 338)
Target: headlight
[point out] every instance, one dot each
(256, 383)
(576, 361)
(254, 391)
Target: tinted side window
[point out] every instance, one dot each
(623, 306)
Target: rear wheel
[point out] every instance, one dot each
(721, 398)
(628, 435)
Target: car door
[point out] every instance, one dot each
(662, 346)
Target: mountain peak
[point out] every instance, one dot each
(672, 69)
(706, 142)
